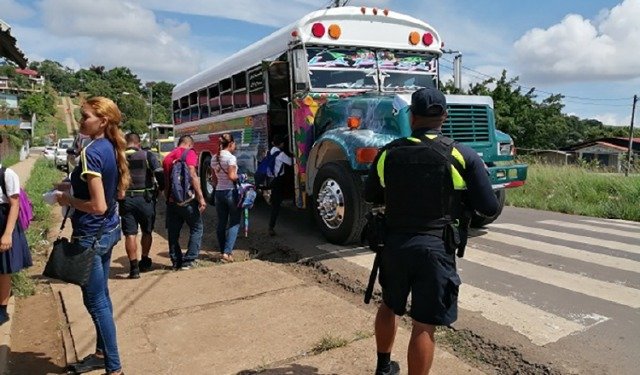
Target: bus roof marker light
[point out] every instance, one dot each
(294, 33)
(375, 11)
(363, 10)
(386, 12)
(334, 31)
(317, 30)
(427, 39)
(414, 37)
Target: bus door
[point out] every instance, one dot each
(279, 115)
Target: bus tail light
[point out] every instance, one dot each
(414, 38)
(427, 39)
(335, 31)
(317, 30)
(353, 122)
(366, 155)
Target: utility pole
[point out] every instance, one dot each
(457, 68)
(633, 112)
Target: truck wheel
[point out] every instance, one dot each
(478, 221)
(205, 177)
(338, 205)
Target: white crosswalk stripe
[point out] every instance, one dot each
(593, 228)
(564, 251)
(540, 322)
(575, 283)
(616, 223)
(539, 326)
(614, 245)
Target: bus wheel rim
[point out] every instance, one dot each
(331, 205)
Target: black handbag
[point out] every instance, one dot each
(69, 261)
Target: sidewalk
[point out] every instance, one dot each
(23, 170)
(235, 318)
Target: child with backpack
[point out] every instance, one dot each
(14, 250)
(280, 159)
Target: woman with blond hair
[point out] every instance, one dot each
(102, 172)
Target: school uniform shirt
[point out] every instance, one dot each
(220, 165)
(98, 159)
(19, 256)
(12, 184)
(281, 159)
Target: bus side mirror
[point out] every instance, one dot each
(300, 70)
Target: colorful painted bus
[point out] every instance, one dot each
(336, 82)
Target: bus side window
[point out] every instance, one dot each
(226, 96)
(203, 103)
(214, 99)
(256, 87)
(240, 99)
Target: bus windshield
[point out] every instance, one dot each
(370, 69)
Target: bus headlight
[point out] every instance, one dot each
(505, 148)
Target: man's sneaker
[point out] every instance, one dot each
(4, 317)
(87, 364)
(145, 264)
(134, 273)
(186, 266)
(394, 369)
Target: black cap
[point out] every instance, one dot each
(428, 102)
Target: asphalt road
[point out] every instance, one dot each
(561, 290)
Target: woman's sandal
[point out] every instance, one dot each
(227, 258)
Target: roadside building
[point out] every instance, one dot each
(609, 152)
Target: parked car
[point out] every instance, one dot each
(49, 153)
(61, 151)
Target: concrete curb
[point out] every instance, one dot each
(65, 327)
(5, 338)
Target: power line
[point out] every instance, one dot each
(546, 92)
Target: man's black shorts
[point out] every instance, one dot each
(136, 211)
(419, 264)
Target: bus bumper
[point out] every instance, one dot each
(504, 177)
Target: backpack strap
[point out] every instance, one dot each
(2, 182)
(451, 143)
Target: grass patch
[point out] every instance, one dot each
(578, 191)
(10, 159)
(50, 125)
(43, 175)
(329, 342)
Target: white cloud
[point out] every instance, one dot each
(12, 10)
(117, 33)
(578, 49)
(613, 119)
(262, 12)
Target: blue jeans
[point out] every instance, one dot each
(176, 217)
(96, 296)
(228, 213)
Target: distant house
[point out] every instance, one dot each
(33, 75)
(609, 152)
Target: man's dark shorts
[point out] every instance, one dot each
(419, 264)
(136, 211)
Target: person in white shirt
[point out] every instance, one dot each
(14, 250)
(277, 185)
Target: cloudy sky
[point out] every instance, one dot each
(588, 51)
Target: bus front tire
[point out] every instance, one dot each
(337, 203)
